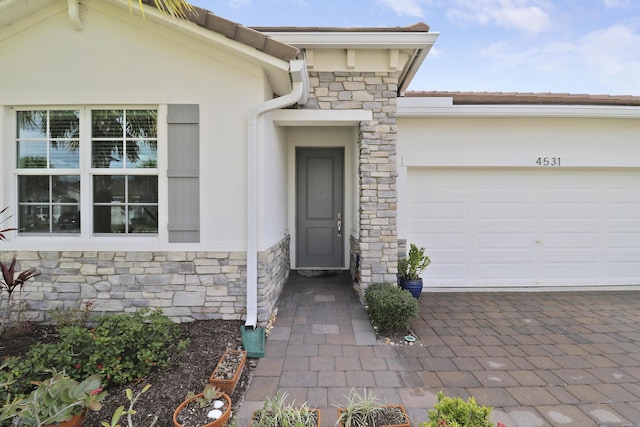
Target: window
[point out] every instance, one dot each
(120, 179)
(49, 184)
(124, 157)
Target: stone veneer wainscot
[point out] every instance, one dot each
(187, 286)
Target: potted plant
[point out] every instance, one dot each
(211, 408)
(275, 413)
(453, 411)
(227, 372)
(410, 268)
(59, 400)
(365, 411)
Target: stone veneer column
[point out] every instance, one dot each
(378, 242)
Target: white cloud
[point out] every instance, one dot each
(404, 7)
(617, 3)
(612, 54)
(603, 61)
(523, 15)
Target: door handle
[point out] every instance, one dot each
(339, 228)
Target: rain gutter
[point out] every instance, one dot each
(298, 94)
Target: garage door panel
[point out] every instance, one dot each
(623, 241)
(575, 241)
(447, 272)
(623, 211)
(441, 210)
(511, 274)
(510, 180)
(569, 271)
(570, 210)
(446, 241)
(504, 210)
(510, 241)
(527, 226)
(623, 271)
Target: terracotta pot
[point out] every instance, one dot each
(316, 411)
(216, 423)
(75, 421)
(228, 386)
(401, 407)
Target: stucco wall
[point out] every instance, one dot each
(120, 59)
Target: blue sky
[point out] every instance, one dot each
(574, 46)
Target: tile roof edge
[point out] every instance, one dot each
(528, 98)
(419, 27)
(238, 32)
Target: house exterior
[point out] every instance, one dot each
(190, 165)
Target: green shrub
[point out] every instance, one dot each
(390, 307)
(121, 348)
(455, 412)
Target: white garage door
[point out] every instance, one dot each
(526, 227)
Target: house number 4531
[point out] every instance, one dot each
(548, 161)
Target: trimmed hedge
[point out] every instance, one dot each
(390, 307)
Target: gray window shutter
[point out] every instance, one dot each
(184, 182)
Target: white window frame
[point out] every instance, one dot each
(86, 173)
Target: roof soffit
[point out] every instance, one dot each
(407, 47)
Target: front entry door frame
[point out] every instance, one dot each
(320, 207)
(344, 138)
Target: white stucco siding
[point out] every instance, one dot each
(272, 185)
(473, 193)
(119, 59)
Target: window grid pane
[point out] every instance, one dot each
(124, 139)
(125, 204)
(48, 139)
(49, 204)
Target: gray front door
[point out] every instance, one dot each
(319, 207)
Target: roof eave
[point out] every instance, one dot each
(272, 55)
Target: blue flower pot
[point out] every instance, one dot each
(413, 286)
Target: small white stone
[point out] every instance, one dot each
(214, 414)
(218, 404)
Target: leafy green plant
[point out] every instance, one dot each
(121, 348)
(411, 266)
(277, 413)
(390, 307)
(455, 412)
(56, 399)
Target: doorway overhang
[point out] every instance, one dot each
(320, 117)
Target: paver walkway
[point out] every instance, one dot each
(538, 358)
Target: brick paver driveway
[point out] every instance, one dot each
(538, 358)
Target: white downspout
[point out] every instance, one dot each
(299, 94)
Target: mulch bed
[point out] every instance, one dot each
(188, 371)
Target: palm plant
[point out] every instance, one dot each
(2, 236)
(175, 8)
